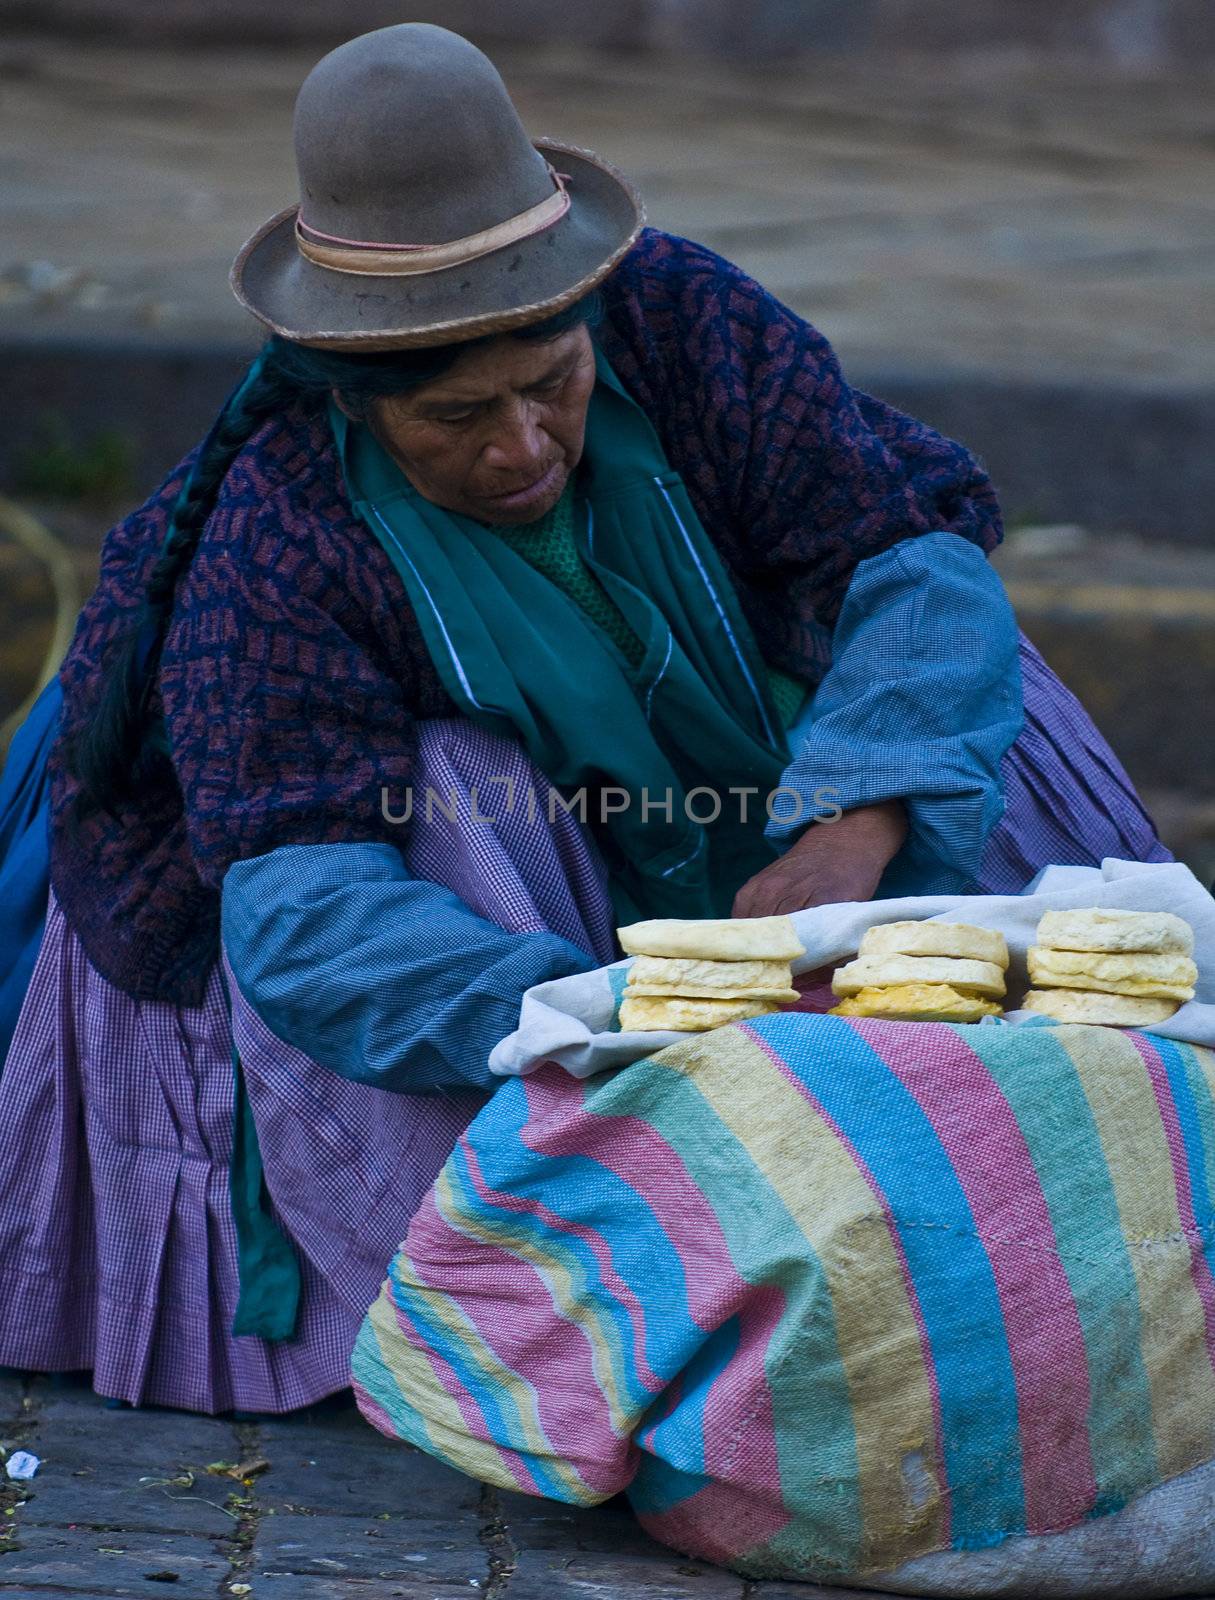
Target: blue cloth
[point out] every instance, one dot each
(383, 978)
(25, 854)
(921, 703)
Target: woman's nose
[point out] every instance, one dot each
(517, 444)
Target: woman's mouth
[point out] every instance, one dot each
(516, 499)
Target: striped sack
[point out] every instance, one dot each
(823, 1294)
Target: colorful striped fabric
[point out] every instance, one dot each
(823, 1294)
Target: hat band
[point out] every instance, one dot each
(404, 260)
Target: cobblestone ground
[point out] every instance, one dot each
(315, 1506)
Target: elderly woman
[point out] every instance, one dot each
(542, 573)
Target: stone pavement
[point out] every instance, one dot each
(1139, 32)
(1019, 249)
(1028, 218)
(315, 1506)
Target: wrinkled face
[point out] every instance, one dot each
(497, 436)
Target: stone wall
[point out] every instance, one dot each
(1136, 33)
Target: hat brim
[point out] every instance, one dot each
(510, 288)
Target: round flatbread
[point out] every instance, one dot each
(682, 975)
(1105, 1010)
(714, 939)
(1167, 977)
(689, 991)
(1115, 931)
(917, 1002)
(868, 972)
(958, 939)
(661, 1014)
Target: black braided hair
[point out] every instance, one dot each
(108, 755)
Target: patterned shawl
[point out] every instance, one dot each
(294, 669)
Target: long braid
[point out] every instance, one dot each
(260, 394)
(109, 752)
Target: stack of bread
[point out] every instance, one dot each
(689, 977)
(1123, 969)
(924, 972)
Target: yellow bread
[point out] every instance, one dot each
(957, 939)
(714, 939)
(1115, 931)
(1167, 977)
(917, 1002)
(1107, 1010)
(681, 975)
(868, 972)
(690, 991)
(650, 1014)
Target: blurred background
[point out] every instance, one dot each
(1001, 212)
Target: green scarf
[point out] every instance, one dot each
(520, 658)
(689, 705)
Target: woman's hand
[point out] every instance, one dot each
(841, 860)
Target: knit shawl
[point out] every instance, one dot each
(294, 670)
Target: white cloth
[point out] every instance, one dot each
(569, 1020)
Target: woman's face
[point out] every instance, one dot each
(497, 436)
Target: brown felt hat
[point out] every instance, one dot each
(427, 216)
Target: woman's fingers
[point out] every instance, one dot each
(776, 891)
(823, 867)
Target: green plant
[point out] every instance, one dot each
(60, 467)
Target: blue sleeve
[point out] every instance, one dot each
(382, 978)
(922, 700)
